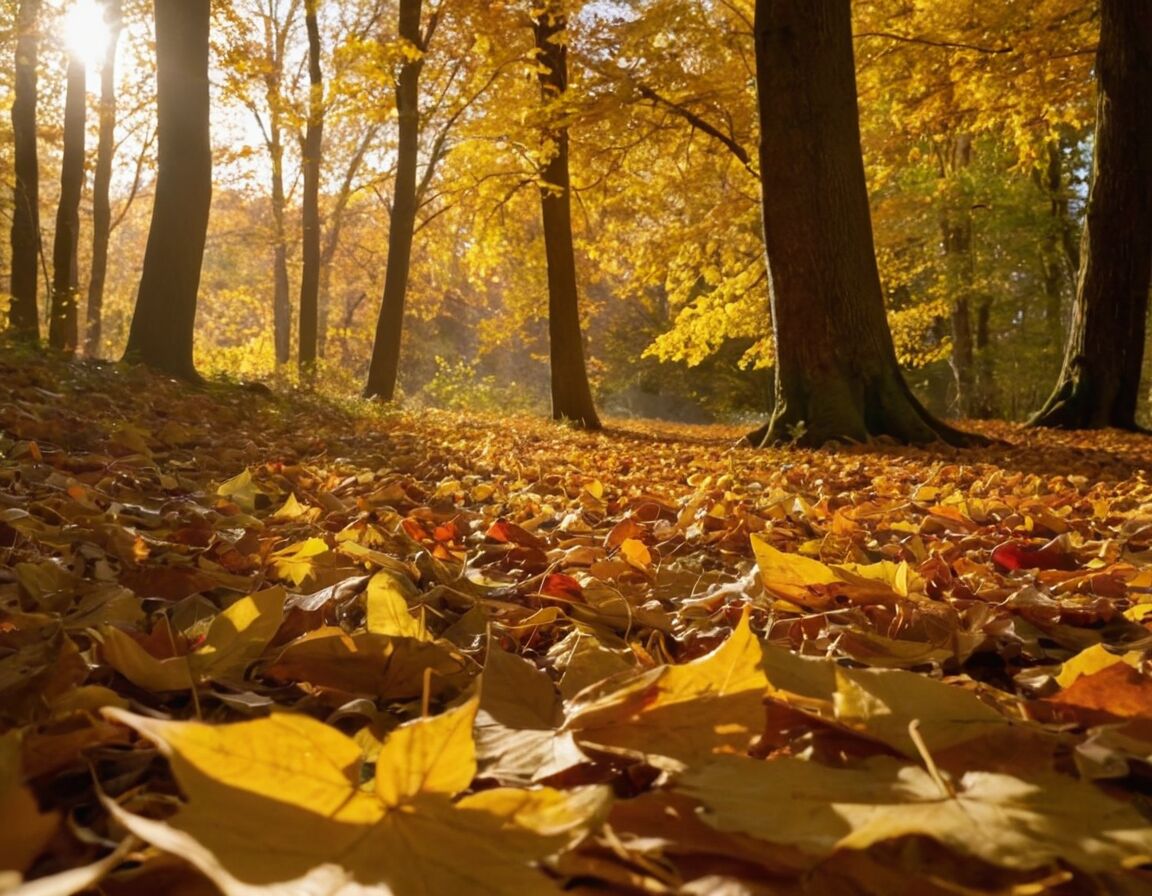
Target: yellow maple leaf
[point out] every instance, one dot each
(275, 805)
(297, 562)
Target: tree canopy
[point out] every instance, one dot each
(976, 131)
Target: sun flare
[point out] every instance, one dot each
(86, 32)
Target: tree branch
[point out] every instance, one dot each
(945, 44)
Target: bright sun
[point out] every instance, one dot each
(86, 32)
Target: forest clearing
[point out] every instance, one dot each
(275, 644)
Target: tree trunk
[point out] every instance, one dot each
(962, 353)
(1055, 257)
(1100, 379)
(837, 376)
(273, 78)
(101, 205)
(389, 326)
(335, 222)
(63, 332)
(987, 402)
(281, 307)
(956, 239)
(23, 315)
(313, 144)
(571, 393)
(163, 323)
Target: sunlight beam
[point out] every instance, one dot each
(86, 33)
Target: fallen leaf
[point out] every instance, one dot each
(686, 712)
(236, 637)
(275, 806)
(994, 817)
(27, 829)
(388, 610)
(364, 663)
(1012, 555)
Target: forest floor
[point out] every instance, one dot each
(260, 643)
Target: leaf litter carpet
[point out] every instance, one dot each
(268, 644)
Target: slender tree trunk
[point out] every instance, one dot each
(102, 180)
(956, 238)
(385, 364)
(281, 306)
(273, 82)
(1100, 379)
(24, 315)
(335, 221)
(1055, 259)
(571, 393)
(987, 403)
(837, 377)
(969, 319)
(63, 332)
(163, 324)
(962, 354)
(313, 145)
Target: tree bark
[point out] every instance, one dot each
(385, 364)
(23, 315)
(571, 393)
(1100, 378)
(63, 332)
(1059, 252)
(101, 184)
(281, 304)
(335, 226)
(987, 399)
(837, 376)
(164, 320)
(313, 146)
(956, 238)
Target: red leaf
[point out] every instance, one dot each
(446, 532)
(509, 533)
(1020, 555)
(415, 529)
(558, 584)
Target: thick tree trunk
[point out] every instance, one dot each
(313, 144)
(571, 393)
(163, 324)
(23, 315)
(101, 183)
(1100, 379)
(837, 376)
(385, 363)
(63, 326)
